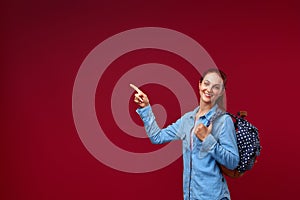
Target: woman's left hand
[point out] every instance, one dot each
(202, 131)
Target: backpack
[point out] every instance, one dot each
(247, 141)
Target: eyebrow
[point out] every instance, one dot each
(217, 84)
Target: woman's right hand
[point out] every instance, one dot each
(140, 97)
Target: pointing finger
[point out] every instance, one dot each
(136, 89)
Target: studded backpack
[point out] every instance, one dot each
(247, 141)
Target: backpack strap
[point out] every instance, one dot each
(235, 116)
(217, 114)
(220, 113)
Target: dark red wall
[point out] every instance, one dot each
(43, 45)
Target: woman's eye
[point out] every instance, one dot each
(216, 87)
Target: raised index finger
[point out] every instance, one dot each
(135, 88)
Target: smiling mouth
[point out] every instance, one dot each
(208, 95)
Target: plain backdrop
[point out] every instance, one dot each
(43, 44)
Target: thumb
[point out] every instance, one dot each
(209, 128)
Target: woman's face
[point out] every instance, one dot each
(211, 88)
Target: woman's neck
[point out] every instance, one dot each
(204, 108)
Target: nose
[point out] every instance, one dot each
(209, 88)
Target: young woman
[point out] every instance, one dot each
(205, 145)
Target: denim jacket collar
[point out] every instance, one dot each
(208, 115)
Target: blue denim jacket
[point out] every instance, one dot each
(202, 178)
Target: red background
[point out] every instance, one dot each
(43, 44)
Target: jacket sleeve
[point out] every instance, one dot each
(224, 148)
(156, 134)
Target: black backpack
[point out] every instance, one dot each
(247, 141)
